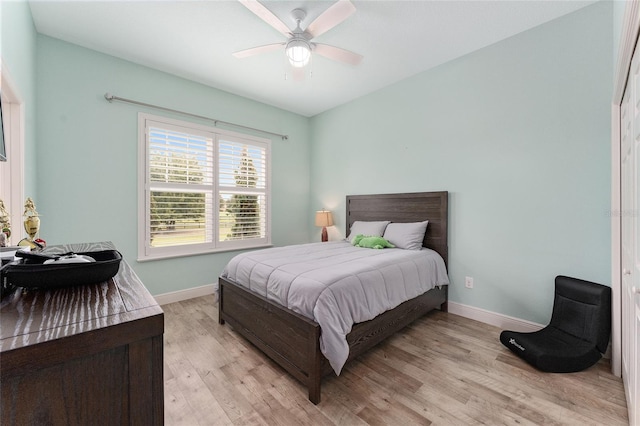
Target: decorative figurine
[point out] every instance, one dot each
(5, 225)
(31, 225)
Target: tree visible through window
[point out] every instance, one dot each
(245, 209)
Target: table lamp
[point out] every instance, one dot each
(324, 219)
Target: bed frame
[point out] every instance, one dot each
(293, 341)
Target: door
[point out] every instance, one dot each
(630, 243)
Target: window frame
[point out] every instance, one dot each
(145, 187)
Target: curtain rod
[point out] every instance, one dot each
(109, 97)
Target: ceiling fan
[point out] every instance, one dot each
(299, 45)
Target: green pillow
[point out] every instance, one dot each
(371, 242)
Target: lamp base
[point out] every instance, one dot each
(325, 234)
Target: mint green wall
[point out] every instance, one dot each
(87, 155)
(18, 53)
(518, 133)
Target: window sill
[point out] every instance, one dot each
(214, 251)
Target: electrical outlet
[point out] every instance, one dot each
(468, 282)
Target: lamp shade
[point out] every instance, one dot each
(324, 218)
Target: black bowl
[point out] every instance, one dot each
(54, 275)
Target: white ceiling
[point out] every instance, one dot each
(195, 40)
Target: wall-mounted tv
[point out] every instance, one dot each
(3, 146)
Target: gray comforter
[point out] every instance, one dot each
(337, 284)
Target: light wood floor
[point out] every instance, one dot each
(443, 369)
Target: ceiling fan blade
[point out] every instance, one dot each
(331, 17)
(258, 50)
(337, 54)
(267, 16)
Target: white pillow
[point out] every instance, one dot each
(408, 236)
(369, 229)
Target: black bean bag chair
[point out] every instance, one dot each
(578, 333)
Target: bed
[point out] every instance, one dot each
(292, 340)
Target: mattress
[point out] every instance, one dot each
(337, 284)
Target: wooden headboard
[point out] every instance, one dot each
(407, 207)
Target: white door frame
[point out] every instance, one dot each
(628, 39)
(12, 171)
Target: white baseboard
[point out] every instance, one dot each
(180, 295)
(499, 320)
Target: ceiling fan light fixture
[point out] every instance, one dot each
(298, 52)
(300, 42)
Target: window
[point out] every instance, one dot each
(201, 189)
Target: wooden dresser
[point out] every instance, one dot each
(87, 355)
